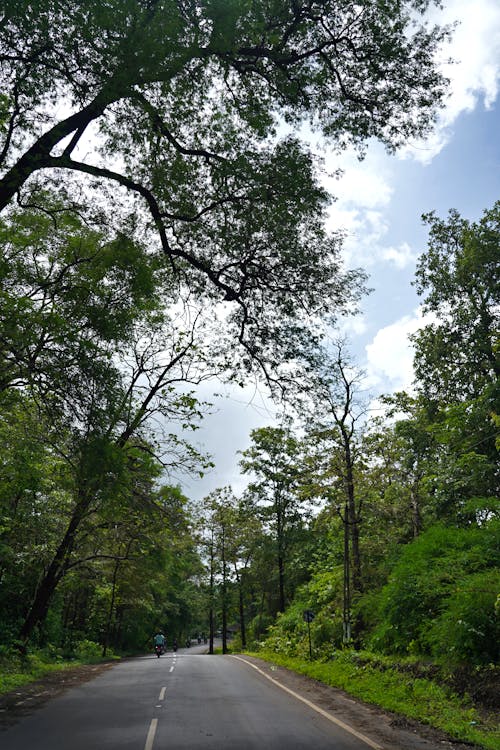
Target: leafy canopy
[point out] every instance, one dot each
(176, 103)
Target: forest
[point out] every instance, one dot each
(159, 230)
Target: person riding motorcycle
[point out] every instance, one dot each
(159, 643)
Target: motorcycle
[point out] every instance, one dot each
(159, 650)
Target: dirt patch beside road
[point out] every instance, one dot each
(25, 699)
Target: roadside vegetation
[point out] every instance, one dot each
(390, 684)
(206, 259)
(18, 669)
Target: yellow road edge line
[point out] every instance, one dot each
(151, 734)
(314, 707)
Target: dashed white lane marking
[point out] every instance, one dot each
(151, 734)
(319, 710)
(171, 668)
(162, 694)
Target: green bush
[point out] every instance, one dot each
(469, 627)
(88, 651)
(440, 598)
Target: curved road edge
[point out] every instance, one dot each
(328, 715)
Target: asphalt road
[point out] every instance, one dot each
(187, 700)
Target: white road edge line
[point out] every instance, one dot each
(316, 708)
(162, 693)
(151, 734)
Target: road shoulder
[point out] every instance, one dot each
(25, 699)
(390, 730)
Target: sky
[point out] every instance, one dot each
(379, 203)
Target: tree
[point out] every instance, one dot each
(274, 460)
(88, 347)
(400, 457)
(102, 439)
(183, 101)
(33, 498)
(231, 532)
(246, 534)
(456, 359)
(69, 293)
(456, 356)
(332, 393)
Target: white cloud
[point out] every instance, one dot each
(226, 431)
(402, 256)
(474, 73)
(476, 48)
(363, 193)
(365, 237)
(361, 183)
(354, 324)
(390, 354)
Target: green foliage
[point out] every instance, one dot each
(457, 360)
(16, 669)
(275, 459)
(427, 604)
(457, 356)
(468, 628)
(391, 686)
(184, 102)
(88, 651)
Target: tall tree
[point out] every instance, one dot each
(273, 462)
(181, 101)
(33, 499)
(399, 458)
(246, 534)
(333, 392)
(99, 459)
(457, 354)
(457, 358)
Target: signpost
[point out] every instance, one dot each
(309, 617)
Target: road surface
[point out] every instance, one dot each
(191, 700)
(181, 701)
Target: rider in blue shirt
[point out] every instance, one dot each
(159, 639)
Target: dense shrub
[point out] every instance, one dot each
(440, 598)
(469, 626)
(88, 651)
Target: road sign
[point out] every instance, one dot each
(309, 615)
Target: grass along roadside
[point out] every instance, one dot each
(17, 670)
(415, 698)
(33, 669)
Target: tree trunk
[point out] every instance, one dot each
(352, 519)
(55, 571)
(243, 634)
(211, 593)
(111, 608)
(281, 562)
(281, 569)
(346, 615)
(224, 594)
(415, 508)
